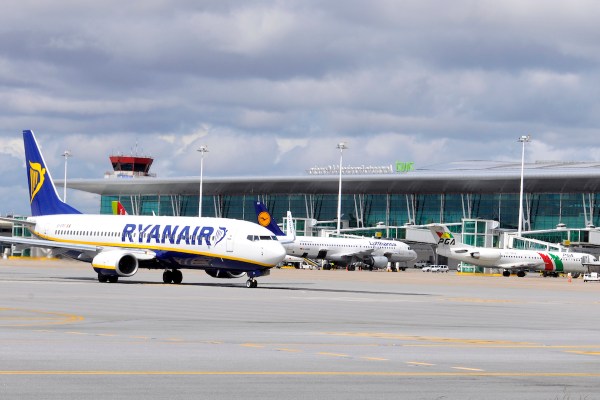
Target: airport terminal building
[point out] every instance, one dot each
(555, 194)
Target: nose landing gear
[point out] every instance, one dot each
(251, 283)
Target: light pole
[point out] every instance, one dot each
(523, 140)
(341, 146)
(66, 155)
(203, 149)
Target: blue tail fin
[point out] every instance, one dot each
(42, 193)
(265, 219)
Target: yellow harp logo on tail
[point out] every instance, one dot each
(37, 175)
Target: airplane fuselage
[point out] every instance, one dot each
(344, 250)
(519, 259)
(183, 241)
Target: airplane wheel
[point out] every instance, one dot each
(113, 278)
(102, 278)
(521, 274)
(167, 276)
(506, 273)
(177, 276)
(251, 283)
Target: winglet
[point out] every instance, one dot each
(42, 192)
(290, 229)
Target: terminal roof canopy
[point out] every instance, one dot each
(459, 177)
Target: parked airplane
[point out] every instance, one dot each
(117, 245)
(375, 253)
(508, 259)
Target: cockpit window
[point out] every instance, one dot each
(254, 238)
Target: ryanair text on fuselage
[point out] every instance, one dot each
(173, 234)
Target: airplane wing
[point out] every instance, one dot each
(18, 221)
(83, 252)
(362, 253)
(518, 265)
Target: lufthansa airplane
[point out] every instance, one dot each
(374, 253)
(117, 245)
(509, 259)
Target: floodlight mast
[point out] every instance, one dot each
(202, 149)
(523, 139)
(341, 146)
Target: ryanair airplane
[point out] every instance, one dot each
(118, 245)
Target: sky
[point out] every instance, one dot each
(271, 87)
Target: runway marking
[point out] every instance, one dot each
(315, 373)
(587, 353)
(468, 369)
(258, 346)
(479, 300)
(24, 317)
(106, 334)
(325, 353)
(76, 333)
(140, 337)
(289, 350)
(435, 339)
(375, 358)
(420, 363)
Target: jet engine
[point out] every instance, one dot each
(124, 264)
(485, 254)
(377, 261)
(224, 274)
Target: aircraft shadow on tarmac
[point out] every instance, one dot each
(242, 285)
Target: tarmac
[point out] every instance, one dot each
(300, 334)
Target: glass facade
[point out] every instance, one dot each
(541, 210)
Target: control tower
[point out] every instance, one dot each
(132, 166)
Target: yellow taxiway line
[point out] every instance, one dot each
(315, 373)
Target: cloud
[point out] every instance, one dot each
(263, 82)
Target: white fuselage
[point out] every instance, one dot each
(183, 240)
(343, 249)
(517, 259)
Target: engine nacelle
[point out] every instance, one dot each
(377, 261)
(123, 263)
(485, 254)
(224, 274)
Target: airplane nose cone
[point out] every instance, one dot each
(276, 253)
(413, 254)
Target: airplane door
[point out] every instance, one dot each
(229, 243)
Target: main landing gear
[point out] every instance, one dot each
(107, 278)
(520, 273)
(172, 276)
(251, 283)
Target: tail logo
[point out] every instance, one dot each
(446, 238)
(264, 218)
(220, 235)
(37, 175)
